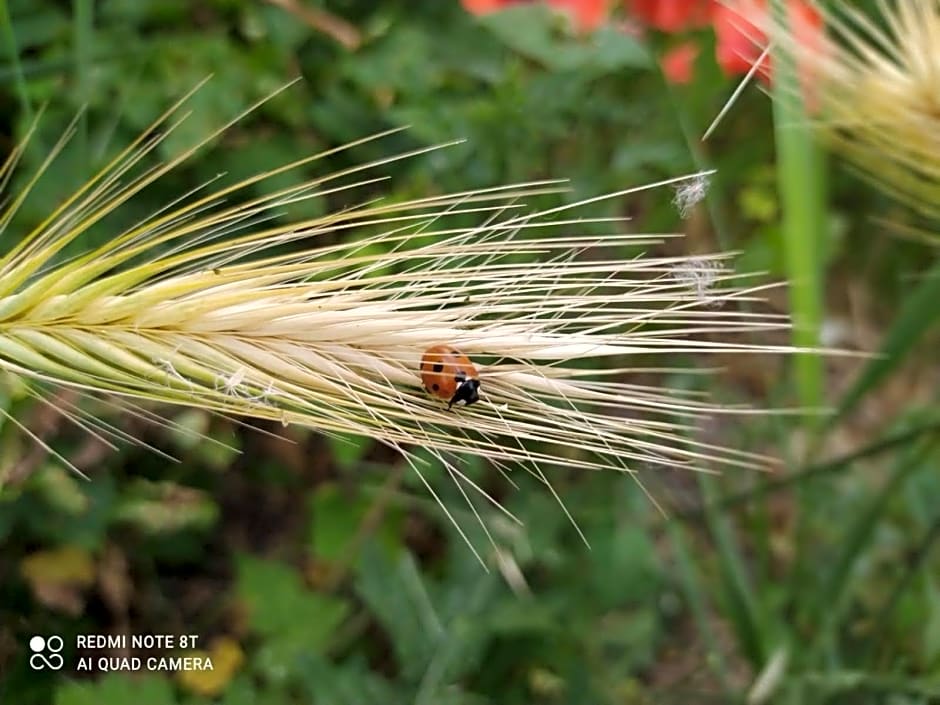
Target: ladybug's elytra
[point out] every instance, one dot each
(448, 374)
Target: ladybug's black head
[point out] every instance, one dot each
(467, 392)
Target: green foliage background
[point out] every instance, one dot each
(323, 560)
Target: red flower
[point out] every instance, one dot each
(740, 41)
(482, 7)
(672, 15)
(679, 61)
(586, 15)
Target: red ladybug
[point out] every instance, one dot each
(448, 374)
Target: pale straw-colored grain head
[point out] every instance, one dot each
(877, 84)
(213, 304)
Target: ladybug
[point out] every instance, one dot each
(448, 374)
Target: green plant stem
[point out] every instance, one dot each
(815, 471)
(802, 192)
(803, 228)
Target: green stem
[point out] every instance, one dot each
(802, 192)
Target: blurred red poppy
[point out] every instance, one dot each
(586, 15)
(738, 26)
(740, 41)
(678, 63)
(481, 7)
(672, 15)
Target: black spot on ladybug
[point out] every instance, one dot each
(438, 367)
(435, 386)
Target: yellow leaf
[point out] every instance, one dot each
(226, 656)
(67, 564)
(59, 576)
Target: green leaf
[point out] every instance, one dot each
(117, 689)
(398, 596)
(623, 566)
(531, 30)
(337, 517)
(349, 684)
(292, 620)
(932, 628)
(347, 450)
(245, 691)
(438, 631)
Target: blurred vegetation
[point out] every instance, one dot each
(318, 570)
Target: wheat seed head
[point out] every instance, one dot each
(877, 84)
(213, 303)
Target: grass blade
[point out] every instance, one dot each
(9, 39)
(832, 598)
(918, 314)
(885, 444)
(740, 601)
(83, 37)
(695, 591)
